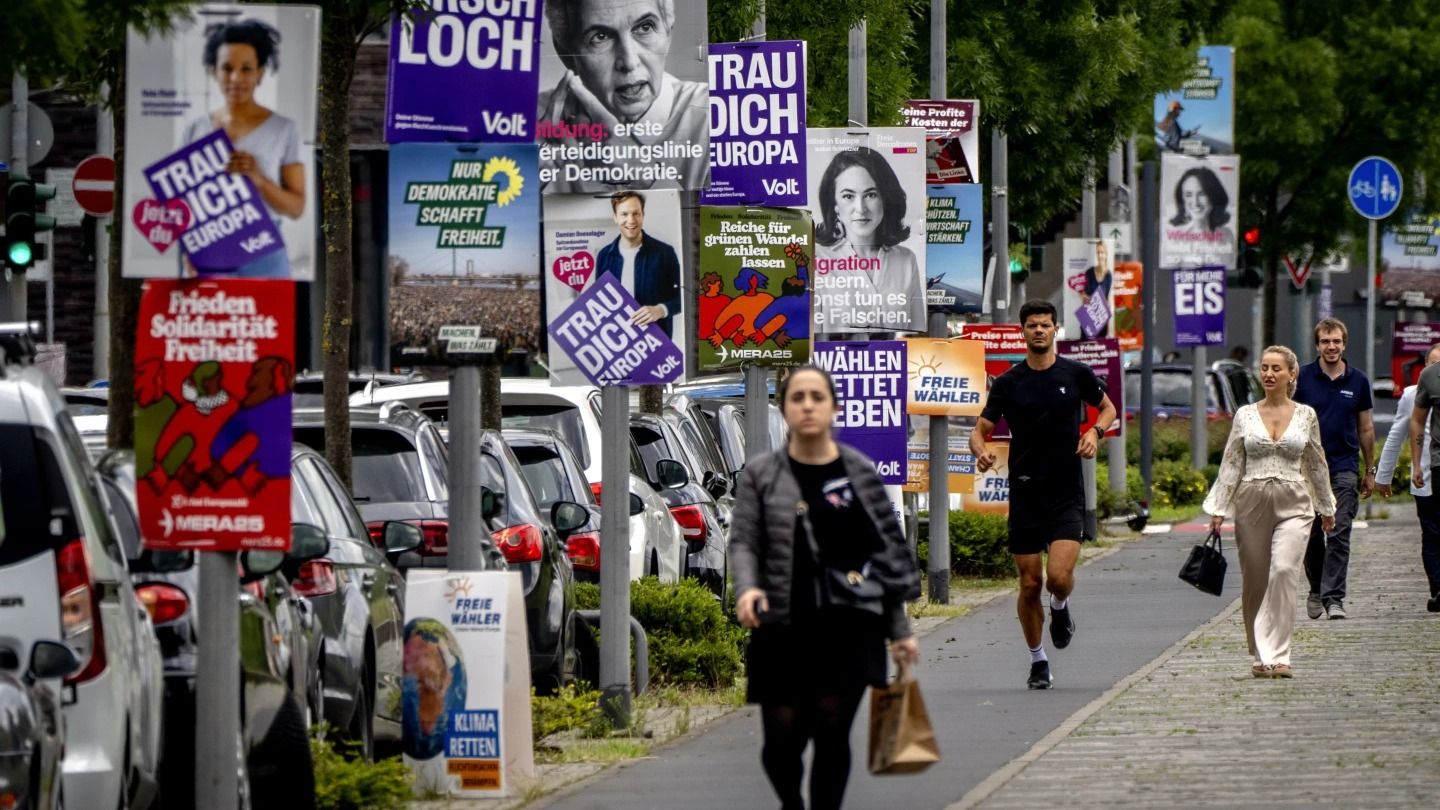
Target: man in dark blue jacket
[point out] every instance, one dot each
(644, 265)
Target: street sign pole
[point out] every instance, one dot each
(939, 573)
(465, 349)
(217, 682)
(615, 553)
(14, 286)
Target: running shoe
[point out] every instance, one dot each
(1062, 627)
(1039, 675)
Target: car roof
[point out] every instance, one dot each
(28, 396)
(531, 436)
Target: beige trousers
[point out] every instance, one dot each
(1272, 526)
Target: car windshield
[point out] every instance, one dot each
(651, 445)
(38, 514)
(1171, 387)
(563, 419)
(545, 473)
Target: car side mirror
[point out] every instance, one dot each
(671, 473)
(715, 484)
(637, 504)
(308, 542)
(567, 516)
(488, 504)
(256, 565)
(51, 659)
(401, 537)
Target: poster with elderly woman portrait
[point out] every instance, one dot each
(1199, 210)
(249, 72)
(624, 96)
(867, 197)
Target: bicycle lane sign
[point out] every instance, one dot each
(1375, 188)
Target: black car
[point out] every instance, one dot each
(359, 601)
(555, 476)
(660, 459)
(279, 669)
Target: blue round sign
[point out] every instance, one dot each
(1375, 188)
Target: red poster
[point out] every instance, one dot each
(1129, 327)
(214, 368)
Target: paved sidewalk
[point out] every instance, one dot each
(1359, 726)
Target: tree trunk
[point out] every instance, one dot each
(652, 398)
(490, 395)
(124, 293)
(337, 66)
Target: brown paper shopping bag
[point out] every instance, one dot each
(901, 737)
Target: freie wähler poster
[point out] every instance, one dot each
(867, 195)
(754, 304)
(757, 124)
(464, 244)
(216, 61)
(629, 237)
(485, 53)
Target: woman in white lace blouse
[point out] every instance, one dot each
(1273, 481)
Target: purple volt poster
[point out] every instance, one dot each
(459, 75)
(217, 217)
(757, 124)
(596, 331)
(1199, 307)
(870, 386)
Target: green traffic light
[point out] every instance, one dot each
(1016, 266)
(20, 253)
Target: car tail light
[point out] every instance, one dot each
(692, 522)
(595, 488)
(520, 544)
(434, 536)
(164, 603)
(584, 550)
(80, 611)
(315, 578)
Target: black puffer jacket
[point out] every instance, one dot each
(762, 536)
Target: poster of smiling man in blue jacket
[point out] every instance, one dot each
(644, 265)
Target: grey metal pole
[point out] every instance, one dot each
(1115, 446)
(14, 287)
(939, 561)
(1370, 267)
(105, 145)
(1150, 250)
(1088, 466)
(859, 76)
(467, 519)
(614, 553)
(757, 411)
(217, 683)
(1199, 385)
(1000, 224)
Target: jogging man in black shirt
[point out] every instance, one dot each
(1043, 400)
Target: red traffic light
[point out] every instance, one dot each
(1252, 236)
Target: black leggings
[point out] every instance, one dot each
(788, 727)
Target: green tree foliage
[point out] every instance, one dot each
(1320, 85)
(1066, 81)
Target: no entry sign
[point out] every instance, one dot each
(94, 185)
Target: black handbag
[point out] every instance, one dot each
(855, 590)
(1205, 567)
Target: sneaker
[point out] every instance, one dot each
(1039, 675)
(1062, 627)
(1336, 610)
(1433, 605)
(1313, 607)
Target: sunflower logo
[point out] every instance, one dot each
(514, 182)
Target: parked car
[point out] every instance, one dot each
(309, 390)
(63, 577)
(32, 729)
(1229, 385)
(663, 462)
(359, 600)
(280, 669)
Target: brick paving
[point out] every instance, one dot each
(1358, 726)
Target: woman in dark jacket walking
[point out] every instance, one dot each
(823, 573)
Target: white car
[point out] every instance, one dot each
(63, 576)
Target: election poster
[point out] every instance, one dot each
(1199, 118)
(952, 138)
(991, 495)
(624, 96)
(601, 334)
(629, 238)
(1103, 358)
(757, 124)
(464, 244)
(1199, 210)
(947, 376)
(954, 248)
(870, 414)
(1410, 260)
(214, 372)
(247, 74)
(1004, 347)
(754, 304)
(960, 466)
(465, 698)
(1199, 297)
(1129, 305)
(485, 53)
(1409, 345)
(1088, 289)
(867, 195)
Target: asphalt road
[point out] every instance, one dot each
(1129, 608)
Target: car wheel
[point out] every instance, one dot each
(361, 732)
(280, 765)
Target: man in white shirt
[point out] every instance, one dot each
(1427, 504)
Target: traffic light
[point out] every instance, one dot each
(23, 221)
(1019, 263)
(1251, 269)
